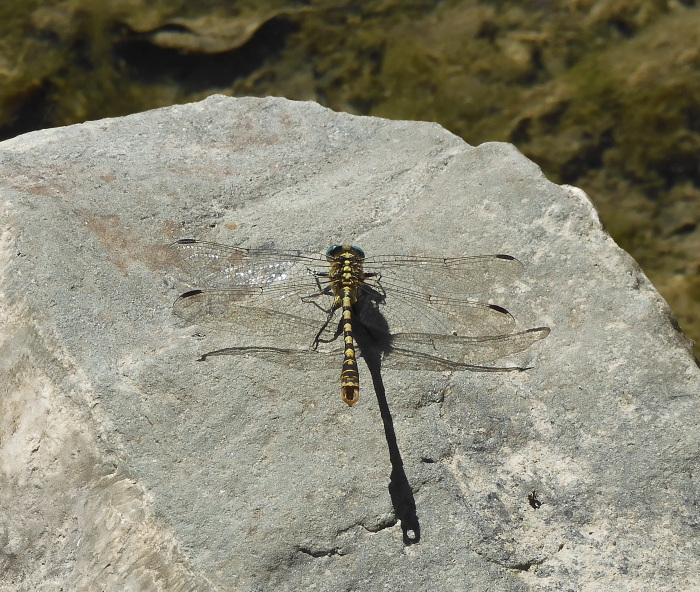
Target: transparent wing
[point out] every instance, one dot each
(445, 352)
(215, 266)
(429, 294)
(452, 277)
(305, 359)
(278, 294)
(408, 352)
(411, 311)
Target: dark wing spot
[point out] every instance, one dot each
(499, 309)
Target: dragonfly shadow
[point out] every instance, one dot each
(374, 340)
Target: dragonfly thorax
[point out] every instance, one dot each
(346, 274)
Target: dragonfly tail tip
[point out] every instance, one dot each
(350, 394)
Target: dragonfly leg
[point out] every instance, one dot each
(317, 339)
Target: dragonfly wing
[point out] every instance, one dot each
(446, 352)
(273, 311)
(453, 276)
(215, 266)
(301, 359)
(411, 311)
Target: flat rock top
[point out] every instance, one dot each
(129, 465)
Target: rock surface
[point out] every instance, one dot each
(128, 465)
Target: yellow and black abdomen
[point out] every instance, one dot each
(346, 277)
(349, 376)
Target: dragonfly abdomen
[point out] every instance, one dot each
(346, 277)
(349, 376)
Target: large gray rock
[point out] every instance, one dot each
(129, 465)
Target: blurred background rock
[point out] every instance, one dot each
(602, 94)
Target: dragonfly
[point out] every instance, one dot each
(418, 312)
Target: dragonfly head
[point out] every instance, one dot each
(335, 251)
